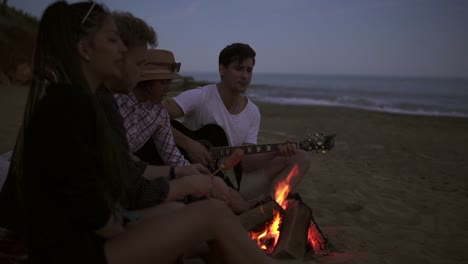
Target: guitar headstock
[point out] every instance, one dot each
(318, 142)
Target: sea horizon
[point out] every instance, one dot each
(383, 76)
(431, 96)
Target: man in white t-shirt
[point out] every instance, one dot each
(225, 104)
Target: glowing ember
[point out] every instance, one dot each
(283, 188)
(268, 238)
(316, 240)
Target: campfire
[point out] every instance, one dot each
(284, 227)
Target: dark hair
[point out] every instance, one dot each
(133, 30)
(236, 52)
(56, 60)
(61, 27)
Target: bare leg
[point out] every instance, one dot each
(237, 203)
(160, 209)
(167, 208)
(231, 197)
(279, 168)
(276, 169)
(168, 236)
(257, 161)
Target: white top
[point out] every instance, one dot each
(203, 106)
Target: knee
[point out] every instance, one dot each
(302, 159)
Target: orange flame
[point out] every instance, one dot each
(283, 188)
(268, 238)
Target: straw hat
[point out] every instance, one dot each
(160, 65)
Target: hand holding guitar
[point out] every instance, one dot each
(287, 149)
(198, 153)
(217, 145)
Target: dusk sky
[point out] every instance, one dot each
(352, 37)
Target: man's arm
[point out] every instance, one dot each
(174, 110)
(196, 151)
(180, 138)
(186, 103)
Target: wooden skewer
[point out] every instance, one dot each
(216, 171)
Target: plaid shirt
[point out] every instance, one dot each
(144, 120)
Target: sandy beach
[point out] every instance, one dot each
(393, 190)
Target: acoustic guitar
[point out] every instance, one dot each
(215, 139)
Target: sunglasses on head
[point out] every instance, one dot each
(173, 67)
(89, 12)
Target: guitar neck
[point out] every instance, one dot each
(219, 152)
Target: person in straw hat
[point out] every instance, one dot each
(149, 131)
(148, 185)
(145, 118)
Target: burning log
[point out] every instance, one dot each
(293, 241)
(284, 227)
(259, 215)
(318, 243)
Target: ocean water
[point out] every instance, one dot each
(418, 96)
